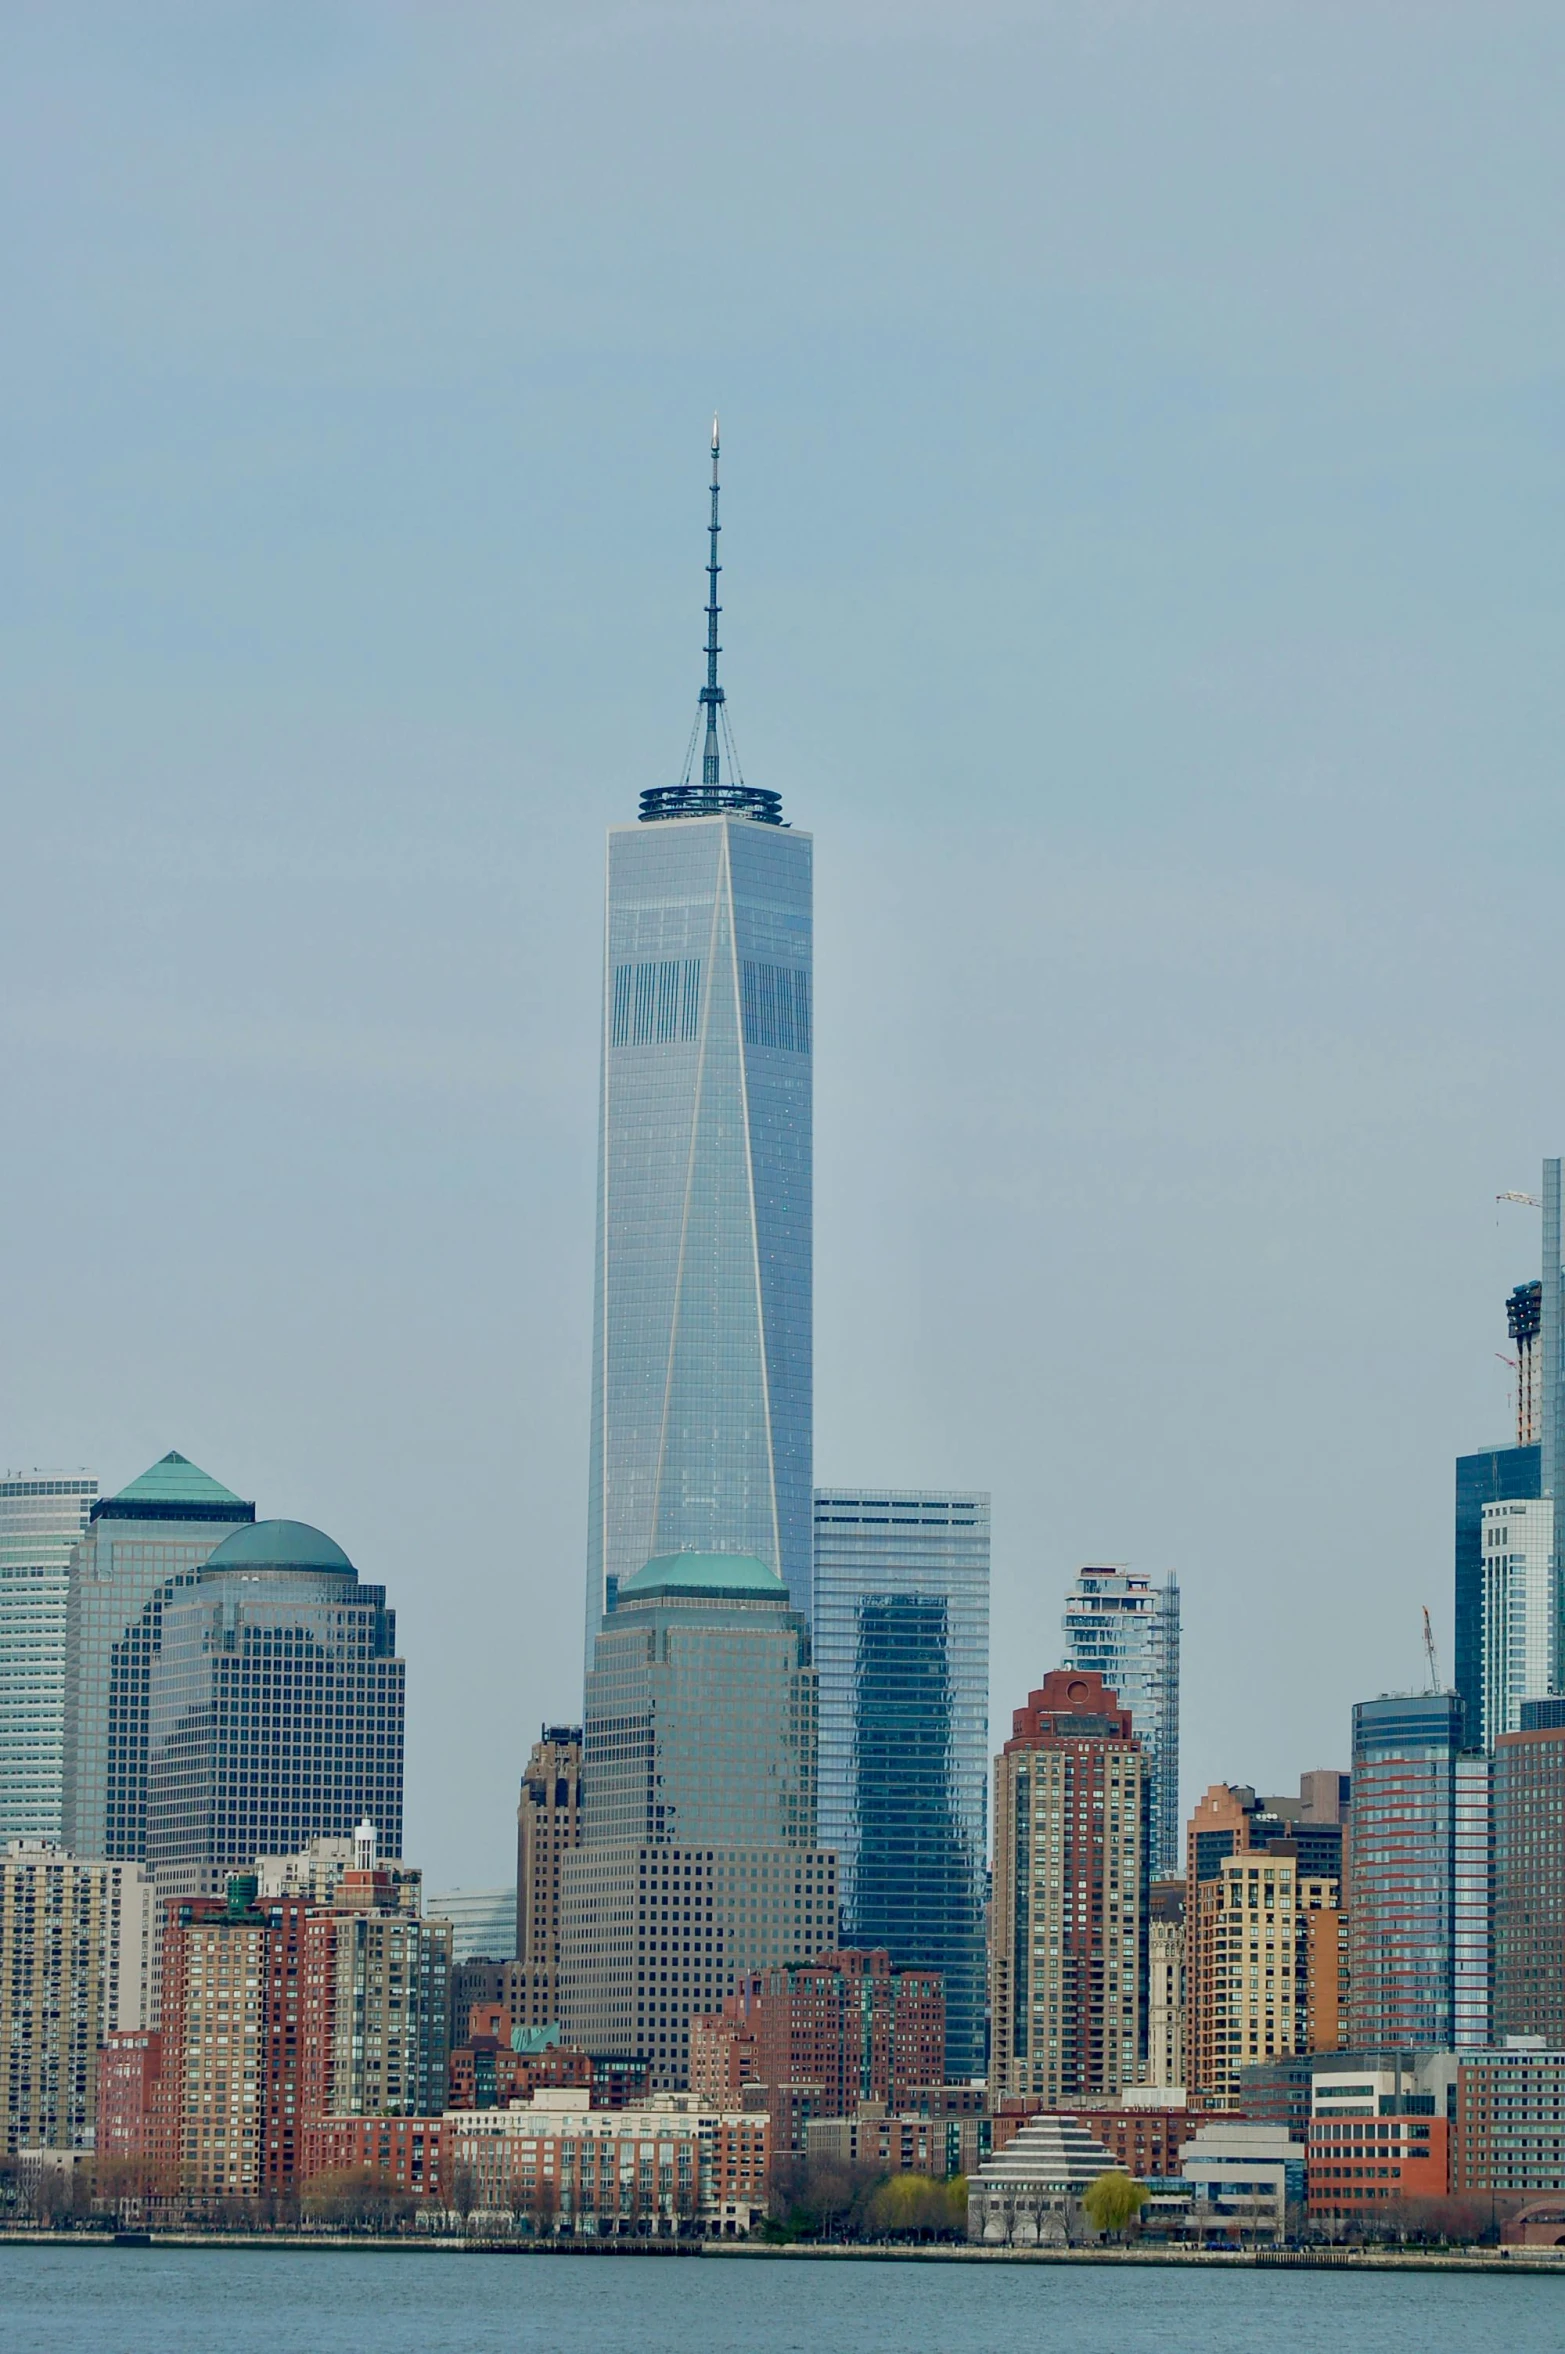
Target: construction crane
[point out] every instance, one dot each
(1528, 1201)
(1430, 1655)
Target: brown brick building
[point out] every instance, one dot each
(548, 1826)
(1068, 1947)
(847, 2023)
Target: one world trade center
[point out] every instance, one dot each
(701, 1406)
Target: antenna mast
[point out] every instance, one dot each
(712, 798)
(712, 694)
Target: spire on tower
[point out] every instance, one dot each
(712, 694)
(712, 798)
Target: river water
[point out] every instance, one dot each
(290, 2301)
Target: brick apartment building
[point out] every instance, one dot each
(822, 2037)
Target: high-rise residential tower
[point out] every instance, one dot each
(1255, 1881)
(141, 1545)
(697, 1860)
(701, 1397)
(1122, 1627)
(902, 1658)
(1071, 1896)
(1520, 1621)
(76, 1937)
(1529, 1876)
(275, 1710)
(1531, 1469)
(42, 1515)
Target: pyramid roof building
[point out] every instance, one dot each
(174, 1488)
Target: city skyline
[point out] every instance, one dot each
(1142, 538)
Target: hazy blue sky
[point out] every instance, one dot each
(1144, 449)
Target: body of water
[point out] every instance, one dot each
(227, 2301)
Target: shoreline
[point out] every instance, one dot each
(1469, 2260)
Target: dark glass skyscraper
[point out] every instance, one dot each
(1419, 1934)
(1497, 1475)
(902, 1655)
(701, 1401)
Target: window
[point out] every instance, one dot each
(656, 1003)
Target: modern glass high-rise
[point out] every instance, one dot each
(698, 1859)
(1496, 1475)
(274, 1710)
(1122, 1627)
(902, 1659)
(1520, 1627)
(1423, 1848)
(701, 1400)
(42, 1516)
(141, 1545)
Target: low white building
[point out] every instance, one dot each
(565, 2166)
(1236, 2182)
(1028, 2193)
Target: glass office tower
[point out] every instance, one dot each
(902, 1657)
(1122, 1627)
(697, 1861)
(701, 1330)
(141, 1545)
(1497, 1475)
(1419, 1923)
(701, 1318)
(274, 1710)
(42, 1515)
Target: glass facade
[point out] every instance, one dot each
(42, 1516)
(483, 1923)
(1497, 1475)
(1423, 1862)
(275, 1710)
(140, 1547)
(698, 1860)
(1122, 1627)
(701, 1403)
(902, 1655)
(1519, 1619)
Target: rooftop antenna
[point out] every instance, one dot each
(712, 798)
(712, 697)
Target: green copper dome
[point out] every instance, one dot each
(280, 1544)
(704, 1573)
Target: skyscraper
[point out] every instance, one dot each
(275, 1709)
(698, 1859)
(75, 1965)
(1494, 1475)
(140, 1546)
(548, 1823)
(1255, 1879)
(1520, 1622)
(1419, 1924)
(701, 1398)
(1122, 1627)
(1533, 1467)
(42, 1515)
(902, 1657)
(1529, 1876)
(1071, 1895)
